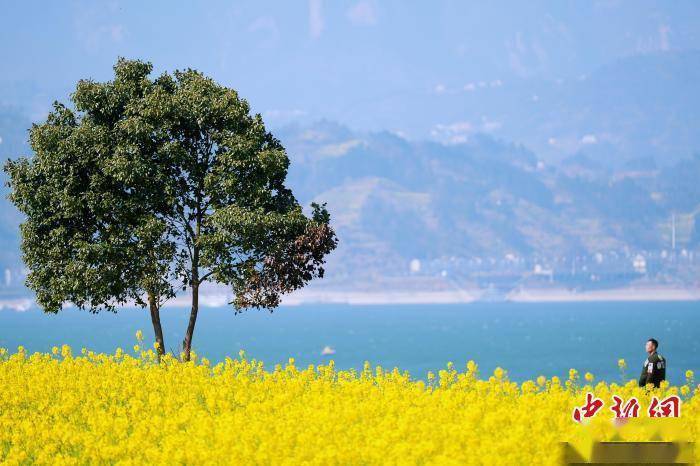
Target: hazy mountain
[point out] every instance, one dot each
(642, 106)
(393, 201)
(601, 170)
(13, 142)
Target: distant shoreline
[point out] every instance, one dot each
(470, 296)
(617, 294)
(218, 298)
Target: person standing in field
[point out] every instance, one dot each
(654, 369)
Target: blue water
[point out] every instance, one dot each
(525, 339)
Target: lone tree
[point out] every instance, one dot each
(149, 187)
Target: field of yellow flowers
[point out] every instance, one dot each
(127, 408)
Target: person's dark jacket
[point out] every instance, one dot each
(653, 371)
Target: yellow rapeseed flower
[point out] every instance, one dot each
(127, 408)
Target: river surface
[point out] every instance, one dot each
(525, 339)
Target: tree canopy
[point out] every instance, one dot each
(148, 187)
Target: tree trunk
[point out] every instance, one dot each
(187, 342)
(155, 320)
(194, 276)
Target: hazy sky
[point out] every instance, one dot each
(350, 61)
